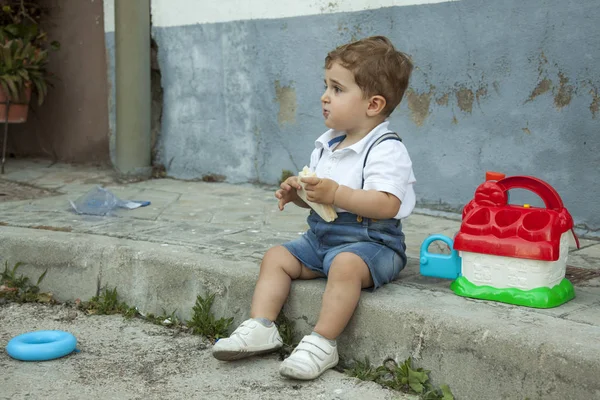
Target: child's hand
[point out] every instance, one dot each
(319, 190)
(287, 193)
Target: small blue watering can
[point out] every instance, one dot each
(446, 266)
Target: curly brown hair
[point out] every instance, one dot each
(378, 68)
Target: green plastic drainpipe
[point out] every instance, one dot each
(133, 96)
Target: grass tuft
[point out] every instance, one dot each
(203, 321)
(404, 377)
(20, 289)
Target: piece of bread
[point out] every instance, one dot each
(326, 212)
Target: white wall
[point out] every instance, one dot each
(189, 12)
(109, 15)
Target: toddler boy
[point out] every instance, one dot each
(365, 172)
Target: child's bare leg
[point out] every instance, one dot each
(277, 271)
(347, 276)
(256, 336)
(314, 355)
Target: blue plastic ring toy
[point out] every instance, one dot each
(41, 345)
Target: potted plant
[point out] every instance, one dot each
(22, 69)
(23, 58)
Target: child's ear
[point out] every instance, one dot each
(376, 105)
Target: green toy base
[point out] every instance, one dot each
(537, 298)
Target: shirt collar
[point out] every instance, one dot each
(329, 139)
(332, 138)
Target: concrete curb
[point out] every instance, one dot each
(482, 350)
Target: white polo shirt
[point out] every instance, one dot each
(388, 168)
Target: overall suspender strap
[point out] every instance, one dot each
(382, 138)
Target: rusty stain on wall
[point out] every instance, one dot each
(542, 87)
(563, 93)
(465, 98)
(418, 104)
(286, 97)
(442, 101)
(595, 106)
(563, 97)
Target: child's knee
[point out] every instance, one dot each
(280, 259)
(348, 267)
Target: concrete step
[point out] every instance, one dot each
(483, 350)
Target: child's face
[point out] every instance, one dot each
(344, 105)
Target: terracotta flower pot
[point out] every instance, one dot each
(17, 112)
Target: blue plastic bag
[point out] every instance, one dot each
(100, 201)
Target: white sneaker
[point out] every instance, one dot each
(313, 356)
(250, 338)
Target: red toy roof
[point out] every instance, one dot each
(492, 226)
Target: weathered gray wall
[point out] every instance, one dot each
(509, 86)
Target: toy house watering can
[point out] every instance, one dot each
(505, 252)
(446, 266)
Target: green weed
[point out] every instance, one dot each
(363, 370)
(203, 321)
(19, 288)
(287, 333)
(403, 377)
(107, 303)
